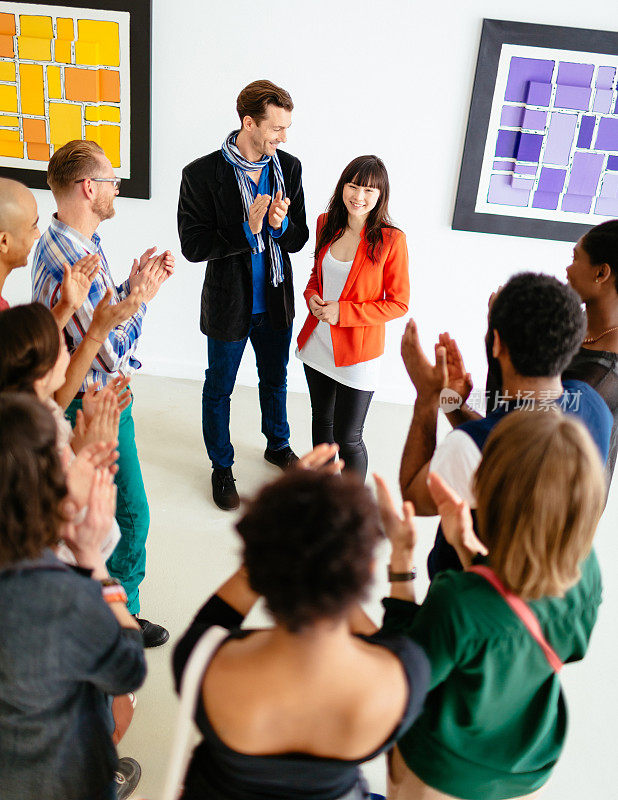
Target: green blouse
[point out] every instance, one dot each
(495, 718)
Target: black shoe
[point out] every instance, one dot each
(283, 458)
(223, 490)
(127, 775)
(154, 635)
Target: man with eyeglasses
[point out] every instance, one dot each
(84, 186)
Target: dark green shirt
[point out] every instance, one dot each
(495, 718)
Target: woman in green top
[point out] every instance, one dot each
(495, 718)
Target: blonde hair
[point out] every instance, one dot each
(74, 160)
(540, 493)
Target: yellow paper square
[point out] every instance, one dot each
(12, 149)
(32, 92)
(54, 86)
(105, 35)
(9, 121)
(8, 98)
(65, 123)
(62, 51)
(9, 136)
(102, 114)
(34, 48)
(108, 136)
(7, 71)
(64, 29)
(38, 27)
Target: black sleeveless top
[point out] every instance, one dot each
(217, 772)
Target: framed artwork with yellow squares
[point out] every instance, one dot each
(75, 70)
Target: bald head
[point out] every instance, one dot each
(19, 219)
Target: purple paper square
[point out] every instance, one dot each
(585, 173)
(572, 74)
(546, 200)
(507, 144)
(605, 77)
(606, 207)
(525, 169)
(512, 116)
(576, 203)
(607, 135)
(502, 193)
(602, 101)
(529, 147)
(503, 165)
(586, 129)
(609, 187)
(552, 180)
(575, 97)
(539, 94)
(522, 183)
(521, 72)
(534, 120)
(560, 139)
(612, 162)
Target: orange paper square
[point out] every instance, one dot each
(7, 48)
(7, 24)
(34, 131)
(38, 152)
(81, 84)
(109, 80)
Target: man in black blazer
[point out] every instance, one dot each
(242, 210)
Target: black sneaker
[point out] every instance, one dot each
(127, 775)
(153, 635)
(223, 489)
(283, 458)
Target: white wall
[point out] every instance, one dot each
(392, 78)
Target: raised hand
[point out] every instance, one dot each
(400, 530)
(138, 265)
(102, 426)
(77, 280)
(458, 379)
(321, 457)
(278, 210)
(429, 379)
(456, 520)
(108, 315)
(257, 210)
(152, 275)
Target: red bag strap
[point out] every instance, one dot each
(523, 611)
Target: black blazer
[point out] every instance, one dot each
(210, 226)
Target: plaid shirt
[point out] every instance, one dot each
(61, 243)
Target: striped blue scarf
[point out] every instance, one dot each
(242, 166)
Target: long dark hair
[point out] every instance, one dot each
(29, 346)
(362, 171)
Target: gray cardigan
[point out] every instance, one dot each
(62, 652)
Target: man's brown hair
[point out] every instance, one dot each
(255, 97)
(540, 491)
(74, 160)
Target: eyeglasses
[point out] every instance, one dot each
(115, 181)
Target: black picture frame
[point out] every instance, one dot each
(494, 34)
(140, 41)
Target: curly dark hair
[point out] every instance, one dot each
(601, 245)
(540, 322)
(32, 483)
(29, 346)
(308, 541)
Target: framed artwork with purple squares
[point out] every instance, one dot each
(541, 151)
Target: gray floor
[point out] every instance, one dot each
(192, 548)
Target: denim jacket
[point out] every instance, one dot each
(61, 651)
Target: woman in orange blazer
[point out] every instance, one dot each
(359, 281)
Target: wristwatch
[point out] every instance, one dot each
(396, 577)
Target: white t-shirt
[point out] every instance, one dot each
(318, 350)
(456, 459)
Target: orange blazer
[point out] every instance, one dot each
(373, 294)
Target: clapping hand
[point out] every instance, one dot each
(322, 457)
(86, 538)
(103, 423)
(118, 386)
(459, 380)
(257, 211)
(80, 472)
(278, 210)
(456, 520)
(429, 379)
(400, 530)
(150, 272)
(108, 315)
(77, 280)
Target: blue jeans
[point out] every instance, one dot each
(272, 351)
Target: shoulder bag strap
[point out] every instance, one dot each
(189, 692)
(524, 612)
